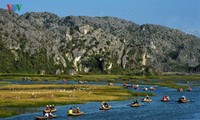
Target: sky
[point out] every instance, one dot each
(178, 14)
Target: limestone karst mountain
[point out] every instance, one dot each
(45, 43)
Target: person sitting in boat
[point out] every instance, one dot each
(78, 110)
(70, 111)
(106, 105)
(189, 89)
(75, 110)
(136, 87)
(165, 98)
(50, 107)
(136, 102)
(47, 107)
(147, 97)
(145, 89)
(180, 89)
(53, 107)
(102, 105)
(183, 98)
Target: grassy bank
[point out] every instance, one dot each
(159, 77)
(31, 96)
(97, 77)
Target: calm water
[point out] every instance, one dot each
(155, 110)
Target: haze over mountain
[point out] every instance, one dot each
(41, 42)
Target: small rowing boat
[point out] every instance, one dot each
(135, 105)
(105, 108)
(44, 118)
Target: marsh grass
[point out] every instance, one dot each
(6, 113)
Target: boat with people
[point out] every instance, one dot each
(165, 99)
(45, 118)
(105, 106)
(152, 88)
(110, 84)
(75, 112)
(145, 89)
(183, 99)
(189, 89)
(136, 87)
(146, 99)
(128, 85)
(135, 105)
(180, 89)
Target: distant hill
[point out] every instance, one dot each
(44, 43)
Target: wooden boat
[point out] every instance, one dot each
(76, 114)
(183, 101)
(44, 118)
(135, 105)
(104, 108)
(146, 100)
(48, 111)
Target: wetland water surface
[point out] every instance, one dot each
(155, 110)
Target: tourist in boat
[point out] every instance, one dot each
(183, 98)
(145, 89)
(189, 89)
(102, 105)
(106, 105)
(47, 107)
(180, 89)
(75, 110)
(78, 110)
(50, 107)
(70, 111)
(135, 102)
(152, 88)
(53, 107)
(147, 97)
(165, 98)
(136, 87)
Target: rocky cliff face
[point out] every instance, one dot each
(46, 43)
